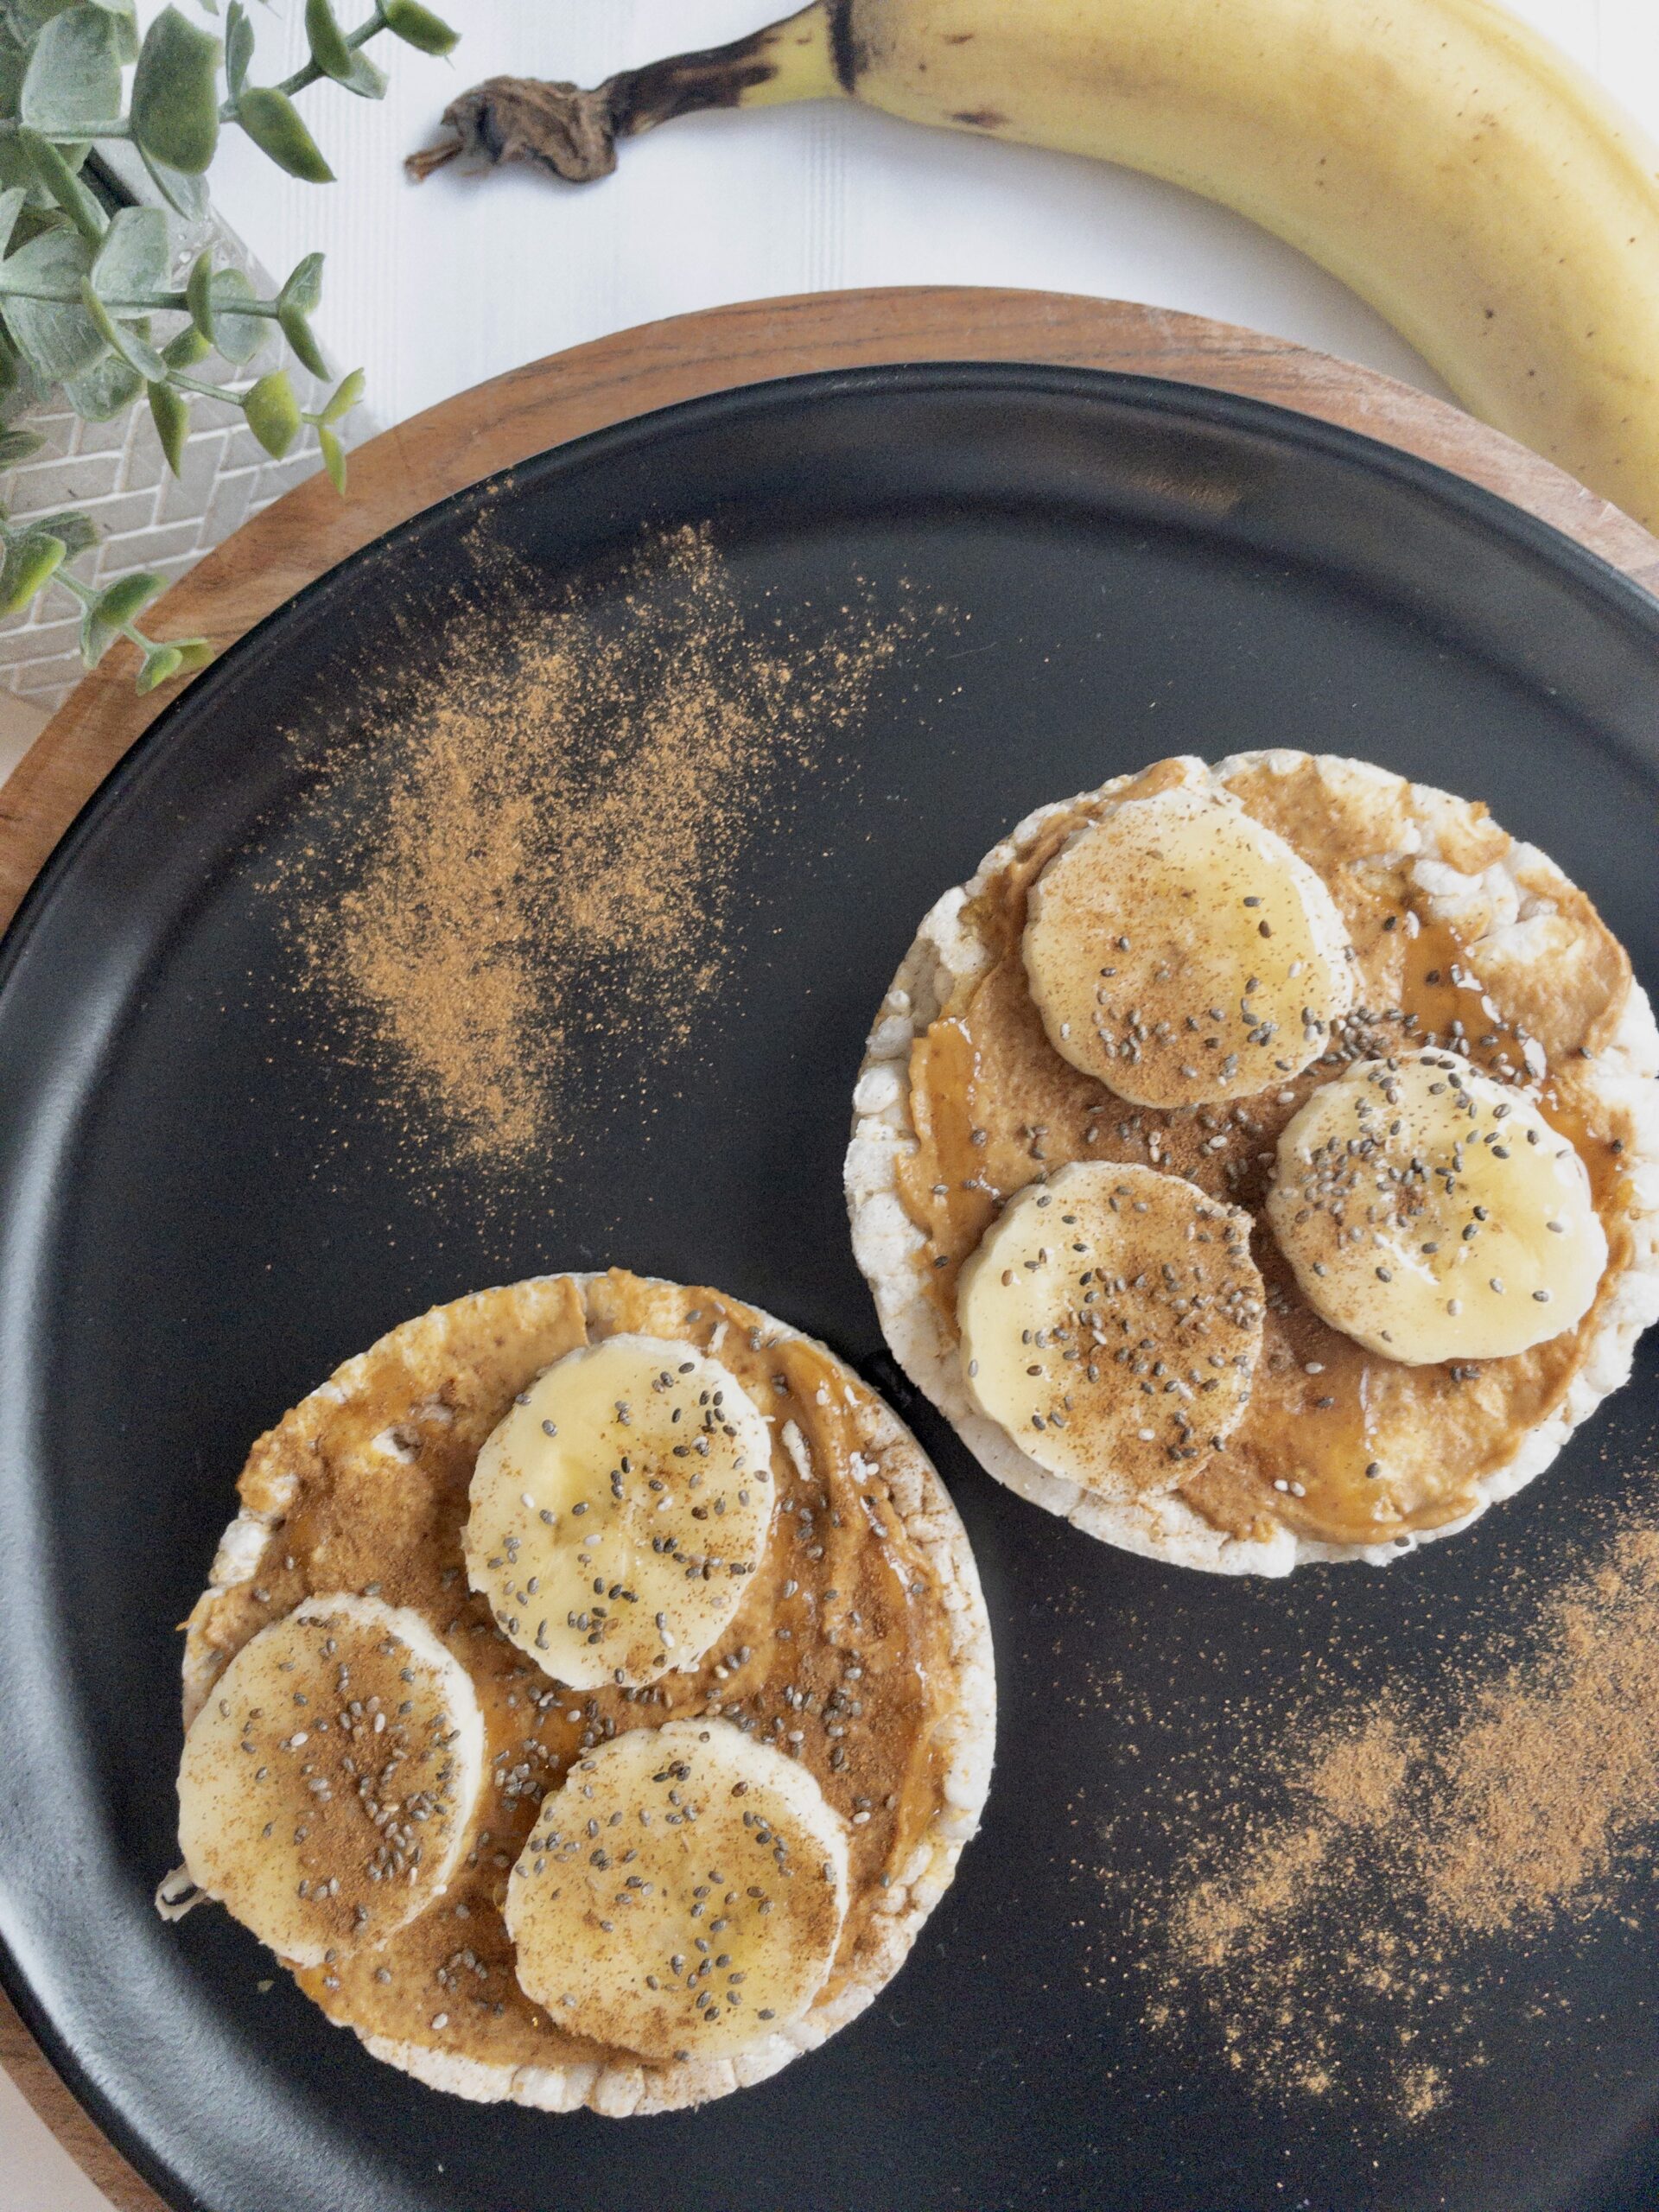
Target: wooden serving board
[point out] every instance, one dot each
(514, 416)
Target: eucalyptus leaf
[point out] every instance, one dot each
(160, 662)
(174, 112)
(177, 657)
(334, 456)
(14, 168)
(418, 27)
(273, 122)
(125, 17)
(344, 397)
(273, 413)
(31, 562)
(295, 303)
(103, 620)
(238, 48)
(95, 639)
(128, 596)
(126, 338)
(38, 214)
(30, 15)
(186, 348)
(57, 339)
(304, 286)
(171, 416)
(73, 76)
(105, 391)
(336, 57)
(238, 337)
(367, 79)
(291, 322)
(54, 174)
(134, 257)
(74, 531)
(185, 195)
(13, 63)
(327, 40)
(11, 203)
(17, 445)
(20, 386)
(199, 295)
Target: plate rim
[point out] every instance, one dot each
(1163, 395)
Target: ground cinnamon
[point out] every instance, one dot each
(542, 869)
(1415, 1845)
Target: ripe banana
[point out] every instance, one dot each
(682, 1894)
(1432, 1214)
(1181, 952)
(1111, 1321)
(326, 1783)
(618, 1510)
(1453, 169)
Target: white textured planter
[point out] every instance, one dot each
(146, 517)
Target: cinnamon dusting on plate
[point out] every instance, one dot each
(1349, 1941)
(542, 878)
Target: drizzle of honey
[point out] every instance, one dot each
(1588, 1128)
(1316, 1435)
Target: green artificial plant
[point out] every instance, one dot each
(91, 301)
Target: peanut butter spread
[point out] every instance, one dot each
(840, 1653)
(1337, 1443)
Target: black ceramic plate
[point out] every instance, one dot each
(188, 1241)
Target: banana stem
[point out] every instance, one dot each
(573, 133)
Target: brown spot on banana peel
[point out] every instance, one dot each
(845, 51)
(571, 132)
(979, 118)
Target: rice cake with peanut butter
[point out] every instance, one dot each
(1344, 1344)
(814, 1643)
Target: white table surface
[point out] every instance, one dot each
(434, 288)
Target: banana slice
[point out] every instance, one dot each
(1180, 951)
(1111, 1323)
(327, 1782)
(1432, 1214)
(682, 1893)
(619, 1509)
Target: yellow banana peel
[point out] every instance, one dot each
(1453, 169)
